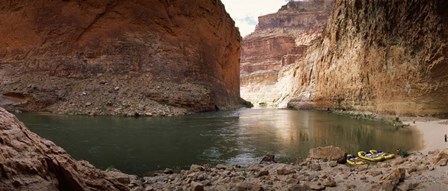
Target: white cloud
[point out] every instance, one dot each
(245, 12)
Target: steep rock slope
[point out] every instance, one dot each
(28, 162)
(381, 56)
(279, 40)
(118, 57)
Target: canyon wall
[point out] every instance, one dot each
(279, 40)
(116, 57)
(28, 162)
(382, 56)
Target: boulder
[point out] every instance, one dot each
(328, 153)
(391, 180)
(29, 162)
(440, 157)
(268, 158)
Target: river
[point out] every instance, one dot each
(140, 145)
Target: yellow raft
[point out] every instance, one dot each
(354, 160)
(370, 156)
(385, 155)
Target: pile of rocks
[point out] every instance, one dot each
(418, 171)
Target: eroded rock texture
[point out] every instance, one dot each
(383, 56)
(28, 162)
(118, 57)
(280, 39)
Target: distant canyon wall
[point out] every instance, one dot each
(387, 56)
(279, 40)
(116, 57)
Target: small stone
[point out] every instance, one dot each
(329, 182)
(384, 165)
(398, 161)
(408, 186)
(137, 189)
(315, 167)
(315, 186)
(244, 186)
(168, 171)
(149, 188)
(196, 186)
(351, 186)
(333, 163)
(88, 104)
(262, 173)
(284, 171)
(195, 167)
(268, 158)
(116, 88)
(375, 173)
(443, 162)
(412, 169)
(299, 187)
(221, 167)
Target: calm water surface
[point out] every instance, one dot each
(139, 145)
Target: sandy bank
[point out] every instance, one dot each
(433, 132)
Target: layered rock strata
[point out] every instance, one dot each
(279, 40)
(118, 57)
(28, 162)
(381, 56)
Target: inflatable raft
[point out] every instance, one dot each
(385, 155)
(370, 156)
(354, 160)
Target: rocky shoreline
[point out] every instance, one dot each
(416, 172)
(29, 162)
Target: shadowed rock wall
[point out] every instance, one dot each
(118, 57)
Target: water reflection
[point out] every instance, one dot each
(236, 137)
(292, 133)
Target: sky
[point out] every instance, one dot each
(245, 12)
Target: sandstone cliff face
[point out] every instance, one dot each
(118, 57)
(279, 40)
(28, 162)
(382, 56)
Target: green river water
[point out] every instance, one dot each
(139, 145)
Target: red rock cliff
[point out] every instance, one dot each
(382, 56)
(280, 39)
(118, 57)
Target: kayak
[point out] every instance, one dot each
(384, 154)
(370, 156)
(354, 160)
